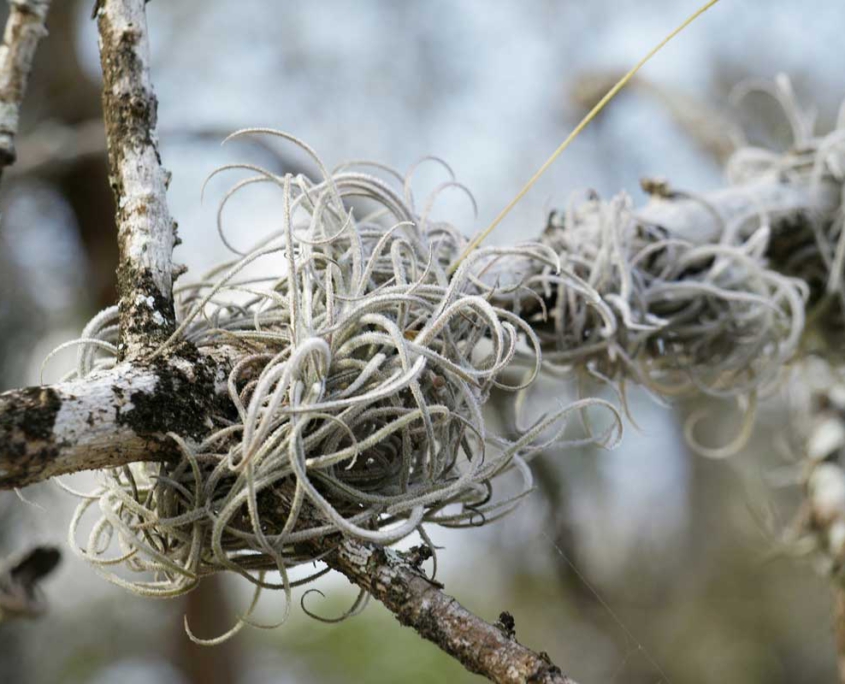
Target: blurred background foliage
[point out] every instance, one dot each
(641, 565)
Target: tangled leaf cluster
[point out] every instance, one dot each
(358, 373)
(813, 248)
(360, 366)
(674, 315)
(680, 316)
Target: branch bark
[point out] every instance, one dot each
(106, 420)
(146, 231)
(702, 219)
(24, 29)
(395, 580)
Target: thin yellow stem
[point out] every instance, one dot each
(576, 131)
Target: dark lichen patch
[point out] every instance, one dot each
(31, 411)
(179, 403)
(133, 112)
(27, 420)
(145, 312)
(417, 555)
(552, 669)
(507, 624)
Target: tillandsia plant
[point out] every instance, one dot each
(359, 368)
(354, 400)
(319, 396)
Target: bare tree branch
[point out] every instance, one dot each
(20, 576)
(418, 602)
(24, 29)
(106, 420)
(146, 231)
(54, 147)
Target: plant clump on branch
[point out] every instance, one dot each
(358, 368)
(358, 373)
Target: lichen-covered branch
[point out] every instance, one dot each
(418, 602)
(24, 29)
(146, 231)
(105, 420)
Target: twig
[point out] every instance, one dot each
(24, 28)
(417, 602)
(146, 231)
(702, 220)
(20, 576)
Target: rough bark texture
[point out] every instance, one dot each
(396, 580)
(146, 232)
(24, 29)
(105, 420)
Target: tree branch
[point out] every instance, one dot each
(395, 580)
(702, 219)
(146, 231)
(105, 420)
(24, 29)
